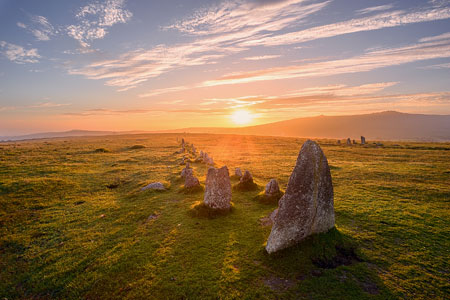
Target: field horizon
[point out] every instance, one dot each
(380, 126)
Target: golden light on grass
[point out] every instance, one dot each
(241, 117)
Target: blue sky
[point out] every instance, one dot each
(148, 65)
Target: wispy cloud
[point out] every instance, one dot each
(40, 27)
(39, 105)
(370, 61)
(18, 54)
(437, 66)
(95, 18)
(261, 57)
(384, 20)
(239, 21)
(374, 9)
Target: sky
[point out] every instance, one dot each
(151, 65)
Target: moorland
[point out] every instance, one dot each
(75, 224)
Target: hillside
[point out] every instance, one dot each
(388, 125)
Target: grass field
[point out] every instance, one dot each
(65, 234)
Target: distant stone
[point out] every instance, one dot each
(218, 188)
(182, 142)
(349, 142)
(247, 177)
(186, 171)
(183, 161)
(154, 186)
(207, 159)
(238, 172)
(246, 182)
(338, 142)
(272, 188)
(194, 151)
(307, 206)
(363, 140)
(201, 154)
(198, 159)
(190, 181)
(354, 142)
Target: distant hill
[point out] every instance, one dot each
(71, 133)
(388, 125)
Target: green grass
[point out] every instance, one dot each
(74, 223)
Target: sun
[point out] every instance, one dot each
(241, 117)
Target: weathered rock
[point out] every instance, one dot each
(307, 206)
(238, 172)
(272, 188)
(363, 140)
(218, 188)
(207, 159)
(201, 154)
(273, 215)
(247, 177)
(190, 181)
(246, 183)
(349, 142)
(185, 172)
(154, 186)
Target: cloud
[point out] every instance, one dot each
(18, 54)
(374, 9)
(240, 21)
(437, 67)
(262, 57)
(369, 61)
(39, 105)
(384, 20)
(40, 27)
(95, 18)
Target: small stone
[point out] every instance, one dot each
(218, 188)
(190, 181)
(154, 186)
(349, 142)
(272, 188)
(338, 142)
(186, 172)
(247, 177)
(238, 172)
(363, 140)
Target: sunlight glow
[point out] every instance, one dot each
(241, 117)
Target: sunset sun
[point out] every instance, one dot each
(241, 117)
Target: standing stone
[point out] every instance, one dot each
(363, 140)
(187, 170)
(246, 178)
(182, 142)
(208, 160)
(349, 142)
(272, 188)
(354, 142)
(339, 142)
(218, 188)
(307, 206)
(201, 153)
(194, 151)
(238, 172)
(190, 181)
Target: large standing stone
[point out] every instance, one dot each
(246, 178)
(272, 188)
(307, 206)
(218, 188)
(363, 140)
(349, 142)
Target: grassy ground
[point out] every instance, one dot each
(74, 224)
